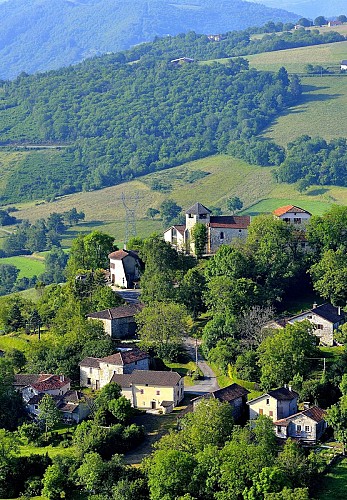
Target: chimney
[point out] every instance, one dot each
(62, 378)
(285, 386)
(306, 405)
(314, 305)
(339, 310)
(289, 388)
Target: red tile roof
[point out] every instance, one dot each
(230, 221)
(50, 382)
(289, 209)
(121, 254)
(119, 358)
(315, 413)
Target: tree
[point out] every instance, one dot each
(306, 23)
(54, 482)
(285, 353)
(90, 252)
(92, 473)
(329, 276)
(55, 223)
(250, 325)
(169, 211)
(234, 204)
(8, 277)
(191, 291)
(342, 18)
(152, 212)
(121, 409)
(161, 327)
(336, 417)
(8, 446)
(73, 217)
(199, 237)
(320, 21)
(16, 358)
(49, 413)
(55, 263)
(328, 232)
(170, 474)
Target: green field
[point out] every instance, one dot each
(334, 484)
(28, 266)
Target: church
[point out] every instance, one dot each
(221, 229)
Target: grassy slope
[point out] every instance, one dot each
(28, 265)
(334, 483)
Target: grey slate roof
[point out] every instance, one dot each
(124, 311)
(119, 358)
(329, 312)
(198, 209)
(147, 377)
(230, 393)
(283, 394)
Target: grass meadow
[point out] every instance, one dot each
(333, 484)
(28, 265)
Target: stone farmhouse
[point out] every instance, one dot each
(221, 230)
(33, 388)
(293, 215)
(281, 405)
(152, 390)
(325, 318)
(125, 268)
(119, 322)
(97, 372)
(308, 425)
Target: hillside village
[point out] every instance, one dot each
(205, 360)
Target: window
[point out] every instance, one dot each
(158, 393)
(221, 235)
(271, 413)
(202, 216)
(268, 401)
(261, 411)
(146, 385)
(279, 429)
(141, 391)
(298, 429)
(135, 362)
(307, 428)
(89, 381)
(319, 327)
(297, 220)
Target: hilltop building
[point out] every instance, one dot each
(221, 229)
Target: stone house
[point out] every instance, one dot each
(125, 268)
(97, 372)
(277, 404)
(343, 65)
(236, 396)
(152, 390)
(308, 425)
(30, 385)
(72, 405)
(221, 230)
(119, 322)
(325, 318)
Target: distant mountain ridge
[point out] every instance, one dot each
(39, 35)
(310, 8)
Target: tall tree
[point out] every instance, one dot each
(161, 328)
(49, 413)
(234, 204)
(169, 211)
(199, 237)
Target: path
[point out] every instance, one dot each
(209, 382)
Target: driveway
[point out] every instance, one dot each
(129, 294)
(209, 382)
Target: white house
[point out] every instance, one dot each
(221, 230)
(119, 322)
(293, 215)
(33, 384)
(325, 318)
(125, 268)
(307, 425)
(277, 404)
(343, 65)
(155, 390)
(97, 372)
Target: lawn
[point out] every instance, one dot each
(52, 451)
(333, 485)
(270, 204)
(28, 265)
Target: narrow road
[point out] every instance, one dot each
(209, 382)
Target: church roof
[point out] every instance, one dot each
(198, 209)
(230, 221)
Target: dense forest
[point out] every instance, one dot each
(124, 120)
(38, 36)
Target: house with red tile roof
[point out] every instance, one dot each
(119, 322)
(221, 229)
(45, 383)
(125, 268)
(293, 215)
(308, 425)
(97, 372)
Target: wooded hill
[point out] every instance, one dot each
(124, 120)
(37, 35)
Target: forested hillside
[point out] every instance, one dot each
(310, 8)
(124, 120)
(38, 35)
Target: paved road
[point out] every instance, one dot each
(209, 382)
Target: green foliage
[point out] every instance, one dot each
(101, 93)
(161, 327)
(199, 238)
(329, 276)
(55, 263)
(257, 152)
(324, 162)
(48, 412)
(284, 354)
(234, 204)
(169, 211)
(8, 277)
(90, 252)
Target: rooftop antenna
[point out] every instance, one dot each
(130, 215)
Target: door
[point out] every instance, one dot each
(153, 405)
